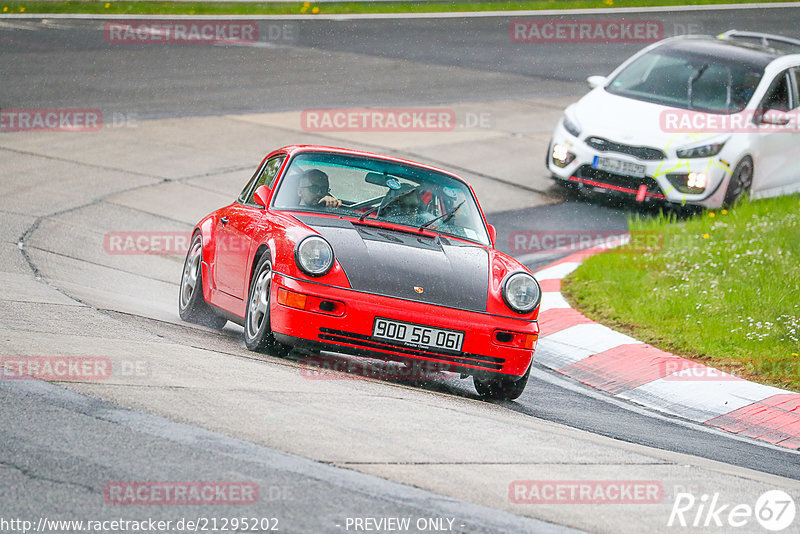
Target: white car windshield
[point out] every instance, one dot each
(375, 189)
(680, 79)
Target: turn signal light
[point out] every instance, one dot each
(310, 303)
(292, 299)
(515, 339)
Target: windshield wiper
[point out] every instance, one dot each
(383, 206)
(443, 217)
(368, 213)
(693, 78)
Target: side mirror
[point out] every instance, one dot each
(596, 81)
(261, 196)
(493, 234)
(775, 118)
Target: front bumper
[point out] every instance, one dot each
(662, 180)
(350, 330)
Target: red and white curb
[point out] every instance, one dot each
(576, 346)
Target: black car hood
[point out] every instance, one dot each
(413, 267)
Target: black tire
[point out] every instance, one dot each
(192, 307)
(257, 332)
(501, 388)
(741, 180)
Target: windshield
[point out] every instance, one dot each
(373, 189)
(679, 79)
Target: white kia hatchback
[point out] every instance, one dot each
(688, 120)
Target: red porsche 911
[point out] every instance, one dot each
(357, 253)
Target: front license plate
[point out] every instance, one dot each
(417, 335)
(617, 166)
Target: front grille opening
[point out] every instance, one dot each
(641, 152)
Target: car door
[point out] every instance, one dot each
(234, 233)
(775, 158)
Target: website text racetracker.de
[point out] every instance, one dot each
(199, 524)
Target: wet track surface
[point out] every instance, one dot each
(324, 63)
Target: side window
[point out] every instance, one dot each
(243, 195)
(779, 95)
(265, 176)
(795, 75)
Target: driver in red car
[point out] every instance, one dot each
(314, 190)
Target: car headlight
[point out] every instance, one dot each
(702, 151)
(521, 292)
(561, 155)
(571, 125)
(314, 256)
(689, 182)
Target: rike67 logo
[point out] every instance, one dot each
(774, 510)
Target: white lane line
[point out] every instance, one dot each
(556, 355)
(20, 25)
(553, 300)
(557, 271)
(576, 343)
(699, 400)
(593, 337)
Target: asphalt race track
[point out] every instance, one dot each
(183, 128)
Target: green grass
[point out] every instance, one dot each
(722, 288)
(296, 8)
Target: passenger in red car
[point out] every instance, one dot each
(314, 190)
(406, 204)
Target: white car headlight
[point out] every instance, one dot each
(561, 155)
(521, 292)
(703, 151)
(314, 256)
